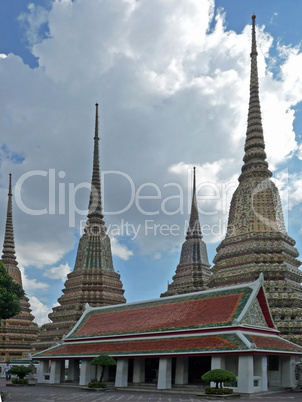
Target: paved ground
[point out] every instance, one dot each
(46, 393)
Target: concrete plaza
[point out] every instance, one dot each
(49, 393)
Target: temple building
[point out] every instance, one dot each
(172, 341)
(93, 279)
(193, 270)
(203, 321)
(256, 240)
(17, 334)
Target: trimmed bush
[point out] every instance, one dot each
(96, 384)
(23, 381)
(218, 391)
(219, 376)
(103, 360)
(21, 371)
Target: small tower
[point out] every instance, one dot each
(93, 279)
(18, 333)
(256, 241)
(193, 270)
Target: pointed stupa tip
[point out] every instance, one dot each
(8, 256)
(96, 131)
(255, 156)
(194, 229)
(10, 185)
(95, 208)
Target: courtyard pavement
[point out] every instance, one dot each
(49, 393)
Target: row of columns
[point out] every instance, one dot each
(252, 372)
(164, 372)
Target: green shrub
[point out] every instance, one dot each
(219, 376)
(21, 371)
(103, 360)
(96, 384)
(19, 381)
(218, 391)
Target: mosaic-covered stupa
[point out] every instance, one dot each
(256, 241)
(18, 333)
(193, 270)
(93, 279)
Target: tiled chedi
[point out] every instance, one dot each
(18, 333)
(93, 279)
(256, 240)
(193, 270)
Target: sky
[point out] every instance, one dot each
(172, 81)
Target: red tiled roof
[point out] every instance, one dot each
(274, 343)
(178, 314)
(148, 346)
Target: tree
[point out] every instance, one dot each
(10, 295)
(219, 376)
(103, 361)
(21, 371)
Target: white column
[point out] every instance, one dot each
(73, 370)
(56, 371)
(217, 362)
(165, 373)
(42, 370)
(264, 380)
(121, 378)
(288, 364)
(245, 374)
(138, 370)
(86, 372)
(182, 370)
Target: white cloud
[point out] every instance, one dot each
(40, 254)
(59, 272)
(32, 20)
(39, 310)
(120, 250)
(31, 284)
(172, 93)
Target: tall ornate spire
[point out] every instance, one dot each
(8, 256)
(95, 209)
(194, 230)
(18, 333)
(93, 279)
(255, 156)
(193, 269)
(256, 241)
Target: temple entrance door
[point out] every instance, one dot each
(130, 370)
(151, 369)
(111, 373)
(198, 365)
